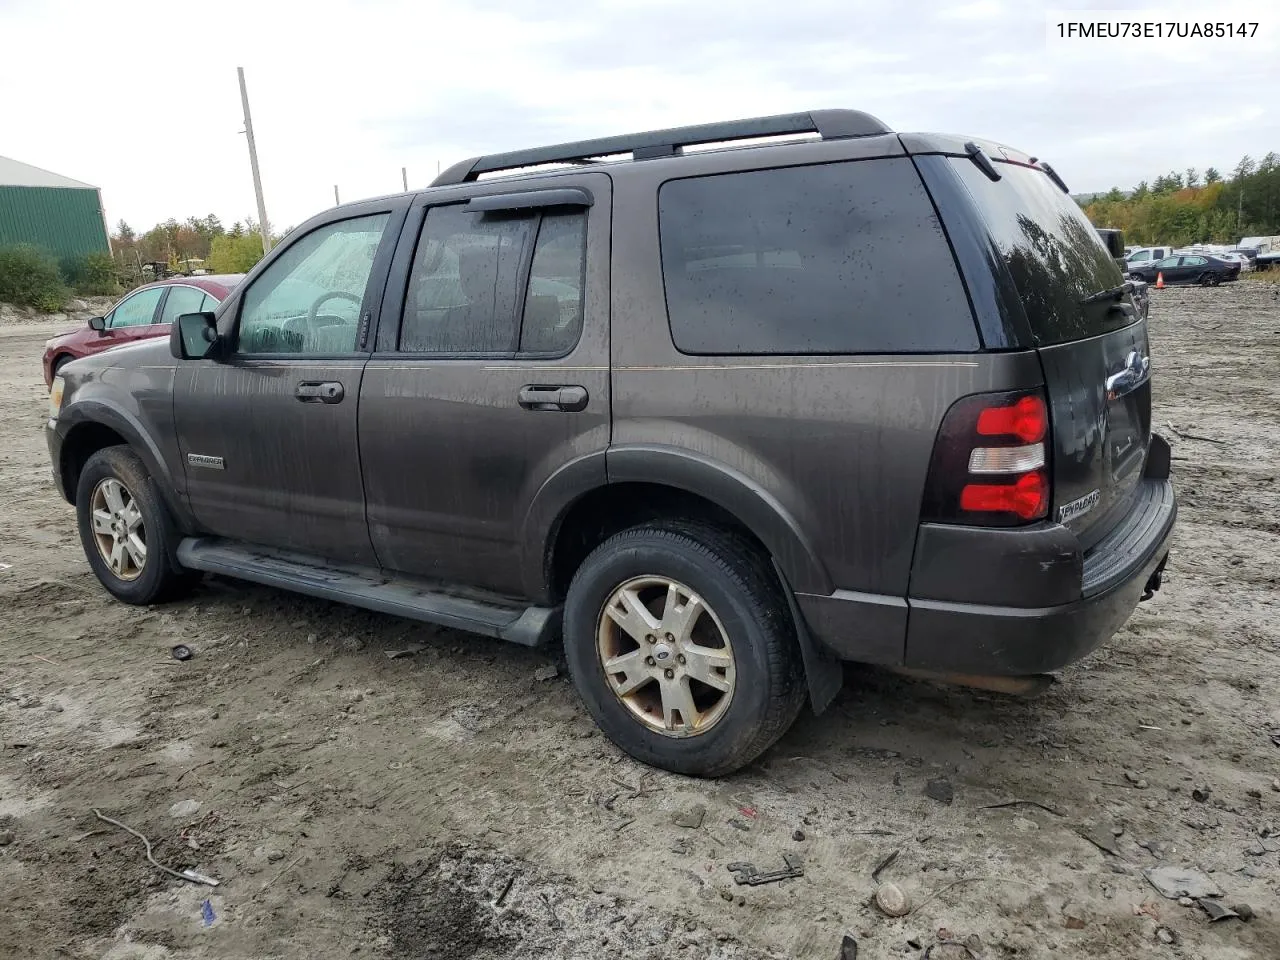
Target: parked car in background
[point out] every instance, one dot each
(146, 312)
(1145, 256)
(1190, 268)
(1235, 256)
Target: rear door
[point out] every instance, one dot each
(491, 375)
(1094, 353)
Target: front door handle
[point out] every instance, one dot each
(564, 399)
(319, 391)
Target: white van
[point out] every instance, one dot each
(1145, 255)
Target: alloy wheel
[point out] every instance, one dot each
(666, 656)
(118, 530)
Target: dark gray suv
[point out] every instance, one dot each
(719, 418)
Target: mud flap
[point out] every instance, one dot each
(823, 671)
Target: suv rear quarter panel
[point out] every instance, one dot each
(839, 447)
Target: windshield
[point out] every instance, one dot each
(1052, 252)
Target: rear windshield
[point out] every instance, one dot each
(1050, 248)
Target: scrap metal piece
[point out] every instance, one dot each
(745, 873)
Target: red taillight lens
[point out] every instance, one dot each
(1027, 497)
(1027, 419)
(990, 463)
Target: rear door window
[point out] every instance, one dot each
(181, 300)
(1052, 252)
(842, 258)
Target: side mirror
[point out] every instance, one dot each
(194, 337)
(98, 323)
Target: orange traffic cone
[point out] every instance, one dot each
(1160, 281)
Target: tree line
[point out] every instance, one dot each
(1187, 207)
(223, 250)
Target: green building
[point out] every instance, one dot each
(62, 215)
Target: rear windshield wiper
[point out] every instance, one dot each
(1115, 293)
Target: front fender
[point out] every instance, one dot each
(105, 412)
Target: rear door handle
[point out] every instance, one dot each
(319, 391)
(564, 399)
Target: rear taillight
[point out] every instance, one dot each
(990, 463)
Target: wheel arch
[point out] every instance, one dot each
(94, 425)
(654, 483)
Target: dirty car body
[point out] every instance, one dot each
(524, 404)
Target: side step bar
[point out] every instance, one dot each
(371, 588)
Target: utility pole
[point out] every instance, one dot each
(404, 178)
(336, 201)
(253, 163)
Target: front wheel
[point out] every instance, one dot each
(126, 529)
(681, 643)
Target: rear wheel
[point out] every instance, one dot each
(126, 529)
(1209, 279)
(681, 644)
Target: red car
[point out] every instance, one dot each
(146, 312)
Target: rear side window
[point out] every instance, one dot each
(1050, 248)
(467, 289)
(842, 258)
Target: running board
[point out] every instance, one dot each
(476, 612)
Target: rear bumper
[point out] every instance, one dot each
(1006, 602)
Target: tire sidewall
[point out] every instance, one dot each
(599, 577)
(123, 464)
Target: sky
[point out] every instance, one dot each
(144, 103)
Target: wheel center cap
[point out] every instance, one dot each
(662, 653)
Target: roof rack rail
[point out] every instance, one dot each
(829, 124)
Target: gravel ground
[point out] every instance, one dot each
(451, 805)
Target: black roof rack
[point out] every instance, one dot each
(829, 124)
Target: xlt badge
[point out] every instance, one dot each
(1076, 508)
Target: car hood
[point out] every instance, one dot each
(58, 339)
(144, 353)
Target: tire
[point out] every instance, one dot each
(743, 599)
(61, 362)
(156, 577)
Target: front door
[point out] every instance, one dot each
(491, 375)
(267, 433)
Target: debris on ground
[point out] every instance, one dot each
(1137, 781)
(181, 652)
(1165, 935)
(1073, 917)
(549, 672)
(1021, 803)
(185, 808)
(1174, 883)
(848, 948)
(884, 865)
(207, 915)
(1243, 911)
(6, 837)
(1217, 911)
(408, 651)
(940, 789)
(190, 875)
(690, 819)
(1201, 794)
(745, 873)
(892, 900)
(1104, 838)
(797, 835)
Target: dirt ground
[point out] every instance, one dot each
(451, 805)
